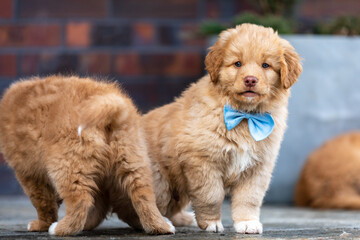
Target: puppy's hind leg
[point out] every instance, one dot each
(123, 207)
(137, 181)
(43, 198)
(76, 188)
(97, 212)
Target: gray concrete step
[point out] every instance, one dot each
(280, 222)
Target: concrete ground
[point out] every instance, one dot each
(280, 222)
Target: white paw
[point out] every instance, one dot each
(52, 228)
(29, 226)
(252, 227)
(215, 226)
(172, 228)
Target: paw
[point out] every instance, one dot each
(251, 227)
(63, 229)
(214, 226)
(52, 228)
(37, 226)
(161, 226)
(184, 218)
(171, 226)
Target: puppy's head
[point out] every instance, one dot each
(252, 65)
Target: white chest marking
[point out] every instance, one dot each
(238, 160)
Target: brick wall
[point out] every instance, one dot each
(138, 42)
(150, 46)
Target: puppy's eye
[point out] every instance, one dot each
(237, 64)
(265, 65)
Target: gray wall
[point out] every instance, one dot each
(325, 102)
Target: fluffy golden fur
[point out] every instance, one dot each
(98, 167)
(330, 177)
(194, 158)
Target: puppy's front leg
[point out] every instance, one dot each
(247, 196)
(206, 191)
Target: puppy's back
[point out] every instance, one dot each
(330, 177)
(37, 112)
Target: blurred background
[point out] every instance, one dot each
(156, 48)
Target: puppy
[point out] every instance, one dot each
(197, 157)
(78, 141)
(330, 177)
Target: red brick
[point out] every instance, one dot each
(6, 9)
(155, 64)
(62, 8)
(29, 35)
(8, 65)
(172, 64)
(127, 64)
(95, 63)
(144, 33)
(189, 35)
(185, 64)
(29, 64)
(317, 9)
(78, 34)
(156, 8)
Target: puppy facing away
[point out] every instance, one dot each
(79, 141)
(330, 176)
(197, 157)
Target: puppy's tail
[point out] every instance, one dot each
(102, 111)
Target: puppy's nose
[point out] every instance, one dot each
(250, 81)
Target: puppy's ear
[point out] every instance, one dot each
(214, 60)
(290, 65)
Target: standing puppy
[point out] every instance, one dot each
(78, 141)
(223, 134)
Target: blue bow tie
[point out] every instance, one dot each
(260, 125)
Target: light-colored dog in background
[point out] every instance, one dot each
(194, 157)
(98, 167)
(330, 177)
